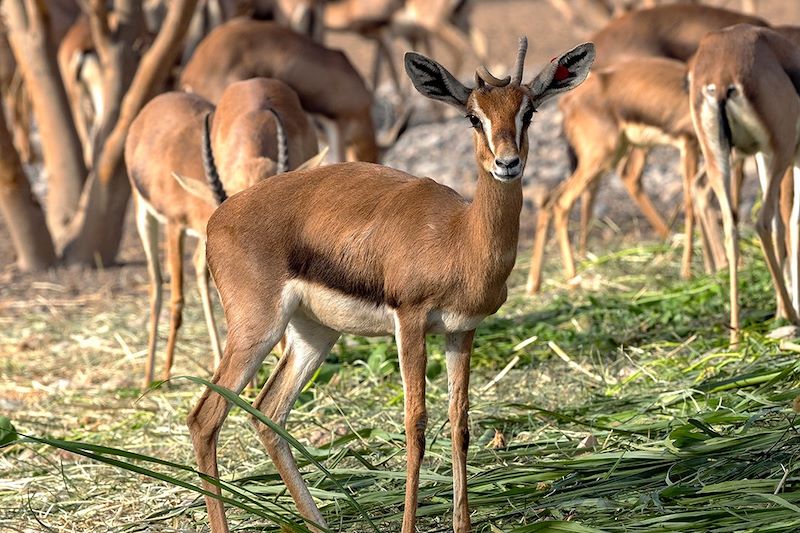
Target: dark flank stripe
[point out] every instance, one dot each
(310, 265)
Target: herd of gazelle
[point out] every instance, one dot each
(363, 249)
(303, 253)
(730, 56)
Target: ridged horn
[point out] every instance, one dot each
(520, 64)
(482, 75)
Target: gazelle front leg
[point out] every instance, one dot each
(632, 180)
(587, 210)
(458, 352)
(771, 232)
(540, 240)
(570, 191)
(201, 273)
(794, 237)
(410, 336)
(713, 252)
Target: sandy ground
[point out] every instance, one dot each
(441, 150)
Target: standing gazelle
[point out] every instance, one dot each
(744, 94)
(259, 129)
(364, 249)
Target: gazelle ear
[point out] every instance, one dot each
(434, 81)
(564, 73)
(196, 188)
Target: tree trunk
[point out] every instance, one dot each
(21, 209)
(98, 228)
(61, 147)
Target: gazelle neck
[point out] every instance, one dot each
(493, 217)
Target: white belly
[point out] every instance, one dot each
(355, 316)
(646, 136)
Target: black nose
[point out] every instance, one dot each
(507, 162)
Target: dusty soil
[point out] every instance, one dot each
(435, 148)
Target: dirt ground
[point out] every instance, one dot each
(97, 292)
(73, 341)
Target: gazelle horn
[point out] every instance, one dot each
(520, 64)
(482, 75)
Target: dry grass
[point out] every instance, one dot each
(641, 369)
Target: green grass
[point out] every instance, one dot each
(688, 435)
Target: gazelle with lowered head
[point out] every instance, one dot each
(666, 31)
(365, 249)
(324, 79)
(417, 21)
(259, 129)
(640, 102)
(744, 84)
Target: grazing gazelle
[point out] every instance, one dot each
(365, 249)
(637, 103)
(259, 129)
(743, 94)
(670, 31)
(326, 82)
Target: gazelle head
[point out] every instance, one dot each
(500, 110)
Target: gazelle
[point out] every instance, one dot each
(593, 13)
(640, 102)
(255, 120)
(369, 250)
(417, 21)
(324, 79)
(83, 80)
(667, 31)
(303, 16)
(672, 31)
(743, 95)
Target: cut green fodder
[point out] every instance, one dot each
(679, 433)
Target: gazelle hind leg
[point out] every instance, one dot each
(147, 226)
(309, 344)
(201, 273)
(252, 333)
(771, 232)
(794, 233)
(175, 241)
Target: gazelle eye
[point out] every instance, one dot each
(474, 121)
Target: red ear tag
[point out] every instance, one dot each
(562, 73)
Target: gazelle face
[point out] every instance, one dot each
(500, 110)
(500, 117)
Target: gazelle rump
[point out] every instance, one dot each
(744, 94)
(365, 249)
(257, 120)
(324, 79)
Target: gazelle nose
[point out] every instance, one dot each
(507, 162)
